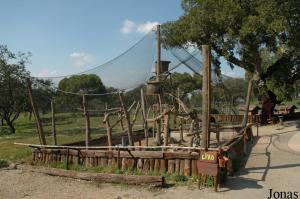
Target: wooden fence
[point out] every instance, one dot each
(182, 162)
(236, 118)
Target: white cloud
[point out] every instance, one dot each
(146, 27)
(81, 58)
(45, 72)
(130, 26)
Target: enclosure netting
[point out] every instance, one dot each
(128, 72)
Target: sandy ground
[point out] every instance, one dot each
(274, 163)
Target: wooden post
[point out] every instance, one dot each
(87, 121)
(205, 95)
(145, 125)
(158, 63)
(53, 123)
(166, 129)
(180, 120)
(159, 96)
(68, 154)
(257, 123)
(154, 123)
(121, 122)
(108, 131)
(158, 132)
(36, 114)
(127, 117)
(245, 118)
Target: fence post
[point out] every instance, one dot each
(87, 121)
(39, 123)
(53, 123)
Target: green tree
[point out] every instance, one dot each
(186, 82)
(239, 30)
(13, 93)
(80, 84)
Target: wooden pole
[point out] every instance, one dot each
(154, 123)
(121, 122)
(159, 96)
(36, 114)
(158, 61)
(166, 129)
(53, 123)
(158, 132)
(208, 93)
(87, 121)
(127, 117)
(109, 131)
(180, 120)
(98, 177)
(205, 96)
(249, 91)
(145, 125)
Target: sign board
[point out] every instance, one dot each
(209, 157)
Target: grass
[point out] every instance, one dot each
(171, 178)
(3, 163)
(70, 127)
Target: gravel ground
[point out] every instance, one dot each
(273, 164)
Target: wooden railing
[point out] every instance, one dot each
(182, 163)
(144, 159)
(236, 118)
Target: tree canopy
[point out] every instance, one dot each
(240, 30)
(84, 84)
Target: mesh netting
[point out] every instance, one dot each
(130, 71)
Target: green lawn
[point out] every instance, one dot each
(70, 127)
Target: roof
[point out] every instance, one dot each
(251, 107)
(285, 107)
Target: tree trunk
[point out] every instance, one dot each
(30, 115)
(245, 118)
(10, 125)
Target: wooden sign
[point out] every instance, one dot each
(209, 157)
(207, 165)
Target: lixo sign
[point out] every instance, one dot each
(207, 165)
(206, 156)
(209, 156)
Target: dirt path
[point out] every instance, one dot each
(273, 164)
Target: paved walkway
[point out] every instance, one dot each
(273, 164)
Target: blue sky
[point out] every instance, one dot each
(70, 36)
